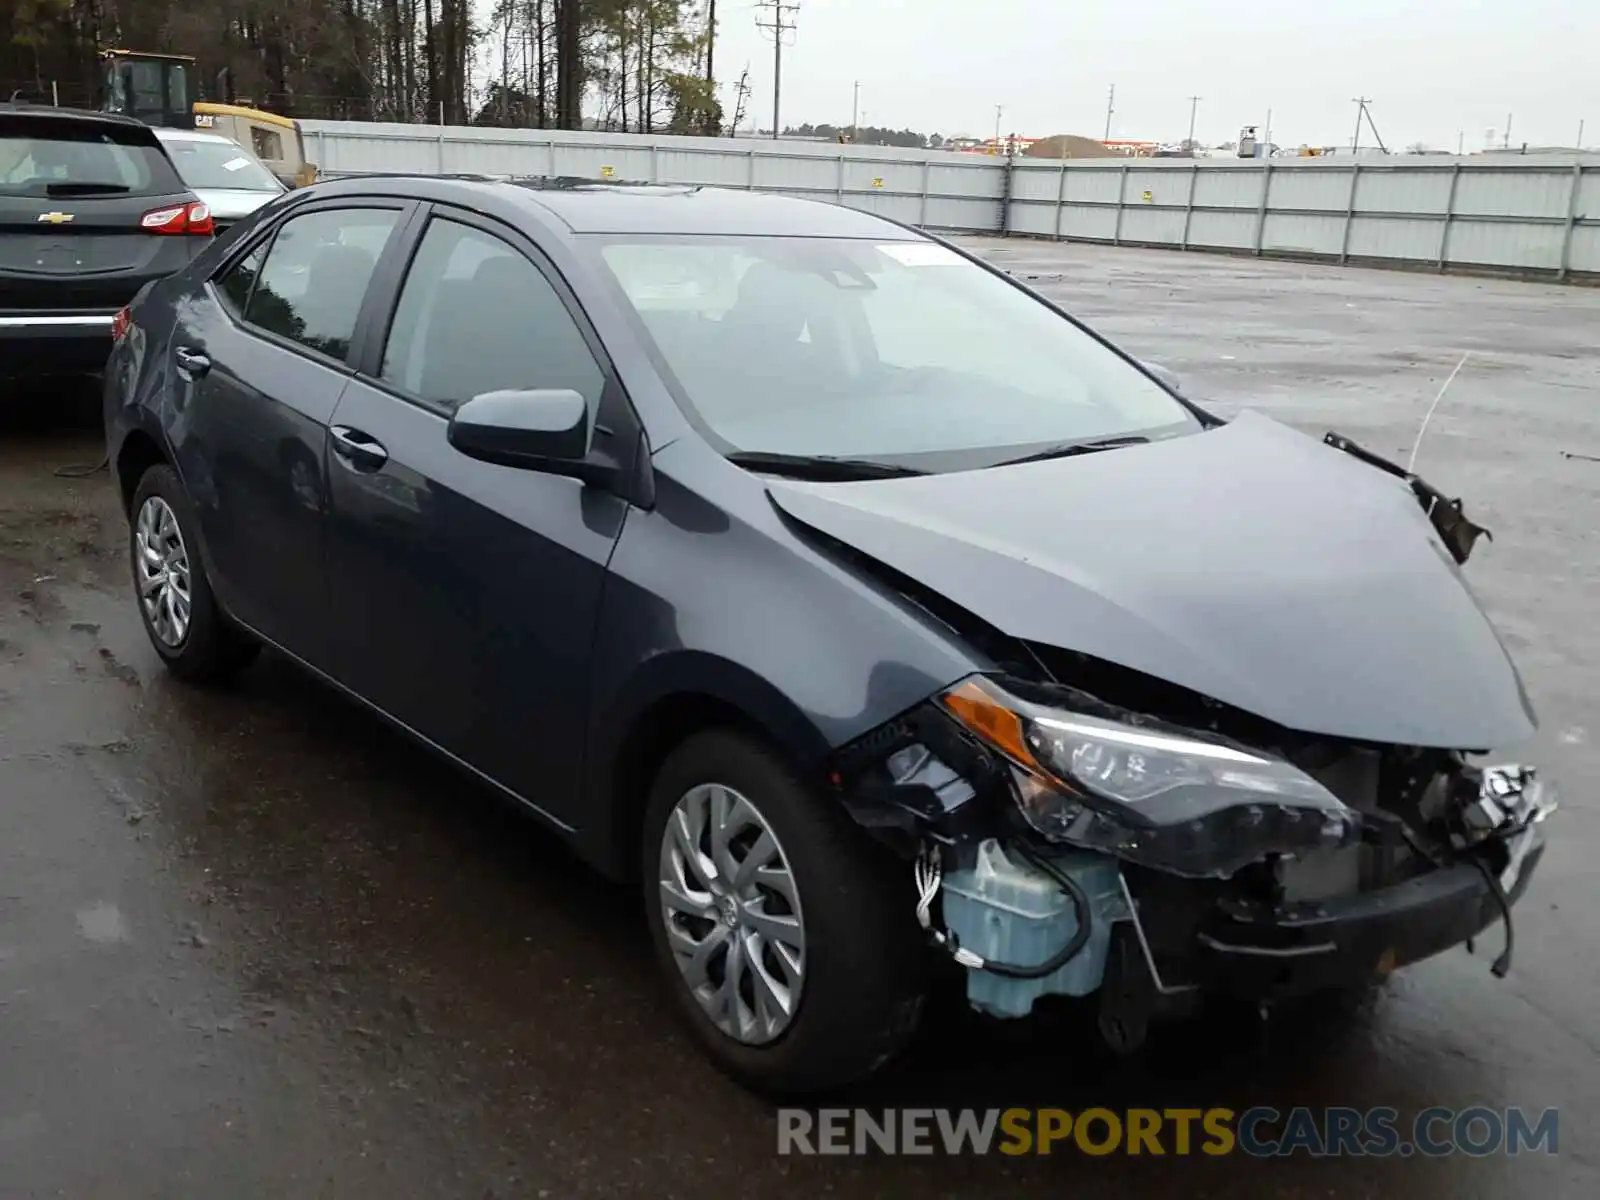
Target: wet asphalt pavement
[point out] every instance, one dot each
(252, 943)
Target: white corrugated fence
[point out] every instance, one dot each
(1537, 216)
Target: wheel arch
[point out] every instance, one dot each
(676, 698)
(138, 453)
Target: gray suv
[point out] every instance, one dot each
(91, 210)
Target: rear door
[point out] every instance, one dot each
(260, 358)
(86, 214)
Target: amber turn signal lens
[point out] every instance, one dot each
(976, 707)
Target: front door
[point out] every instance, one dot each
(259, 364)
(464, 595)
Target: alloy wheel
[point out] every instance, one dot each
(732, 913)
(162, 567)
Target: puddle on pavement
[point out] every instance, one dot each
(102, 924)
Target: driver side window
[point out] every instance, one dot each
(476, 316)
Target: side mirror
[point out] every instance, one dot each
(1167, 377)
(546, 429)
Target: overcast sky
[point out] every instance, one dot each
(1432, 68)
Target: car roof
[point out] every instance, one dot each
(588, 206)
(52, 112)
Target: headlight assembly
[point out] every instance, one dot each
(1175, 799)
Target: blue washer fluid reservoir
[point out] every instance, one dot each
(1011, 912)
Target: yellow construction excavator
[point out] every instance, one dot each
(158, 88)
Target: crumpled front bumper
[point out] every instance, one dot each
(1347, 940)
(1193, 939)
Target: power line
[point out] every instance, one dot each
(779, 24)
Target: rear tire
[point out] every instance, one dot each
(186, 626)
(857, 996)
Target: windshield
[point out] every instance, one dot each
(207, 164)
(900, 351)
(41, 157)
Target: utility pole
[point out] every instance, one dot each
(855, 115)
(1579, 142)
(1461, 142)
(569, 65)
(1194, 104)
(711, 37)
(998, 109)
(1111, 100)
(1266, 136)
(1508, 131)
(741, 97)
(779, 24)
(1361, 111)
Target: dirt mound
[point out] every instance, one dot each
(1069, 145)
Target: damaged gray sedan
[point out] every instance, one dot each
(892, 629)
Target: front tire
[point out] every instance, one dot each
(787, 937)
(180, 612)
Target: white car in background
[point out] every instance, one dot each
(229, 179)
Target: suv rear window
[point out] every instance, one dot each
(44, 157)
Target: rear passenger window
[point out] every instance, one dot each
(311, 288)
(476, 316)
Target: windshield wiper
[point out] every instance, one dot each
(823, 468)
(1068, 449)
(86, 189)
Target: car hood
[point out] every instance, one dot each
(233, 204)
(1249, 563)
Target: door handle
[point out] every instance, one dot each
(191, 362)
(358, 449)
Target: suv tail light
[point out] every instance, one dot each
(179, 218)
(120, 324)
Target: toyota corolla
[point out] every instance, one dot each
(889, 627)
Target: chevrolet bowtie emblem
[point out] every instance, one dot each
(55, 218)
